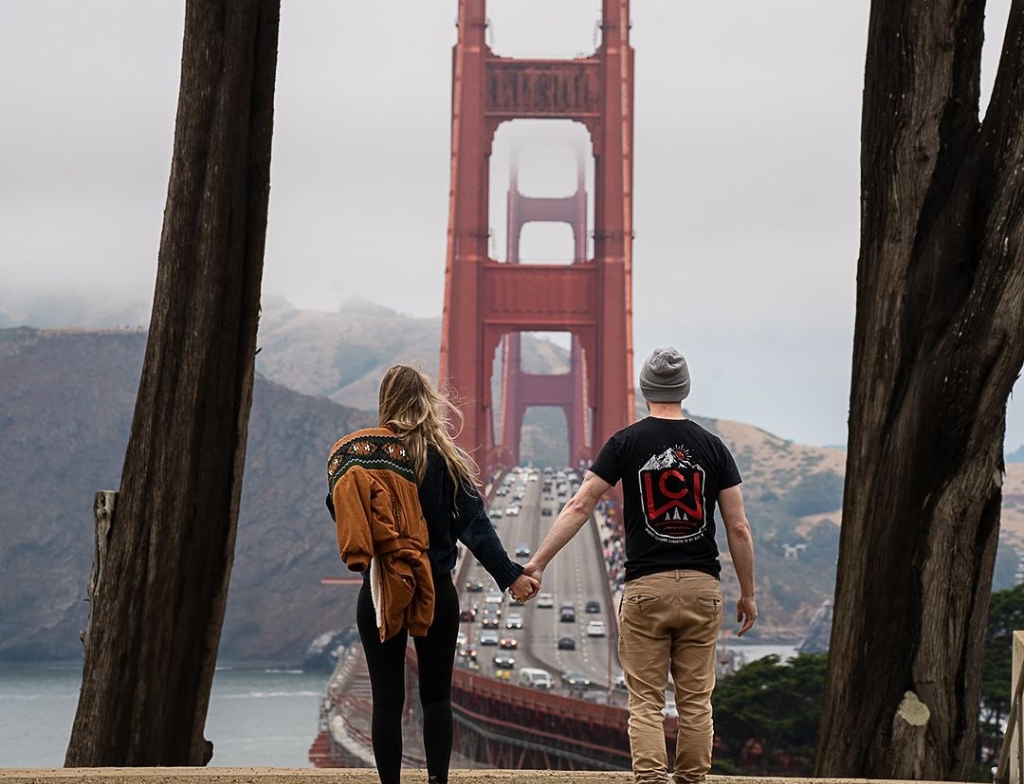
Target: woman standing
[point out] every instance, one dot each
(444, 477)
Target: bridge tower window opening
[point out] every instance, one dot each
(543, 171)
(546, 243)
(554, 29)
(544, 440)
(543, 399)
(550, 353)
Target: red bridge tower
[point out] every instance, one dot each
(486, 300)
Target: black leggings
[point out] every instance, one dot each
(386, 663)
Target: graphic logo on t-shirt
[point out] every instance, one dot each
(672, 496)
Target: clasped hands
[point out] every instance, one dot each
(526, 585)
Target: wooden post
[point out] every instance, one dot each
(103, 517)
(1014, 720)
(1016, 764)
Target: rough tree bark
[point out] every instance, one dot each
(938, 344)
(156, 623)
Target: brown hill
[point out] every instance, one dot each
(793, 497)
(342, 355)
(1012, 522)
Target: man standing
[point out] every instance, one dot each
(674, 473)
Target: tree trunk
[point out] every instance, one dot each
(938, 344)
(156, 623)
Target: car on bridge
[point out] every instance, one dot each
(567, 615)
(596, 629)
(566, 644)
(593, 606)
(536, 678)
(489, 637)
(522, 550)
(490, 622)
(504, 661)
(514, 621)
(474, 586)
(509, 643)
(575, 680)
(545, 600)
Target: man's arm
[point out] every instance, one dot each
(741, 548)
(568, 523)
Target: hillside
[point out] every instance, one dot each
(342, 355)
(793, 496)
(67, 405)
(1012, 522)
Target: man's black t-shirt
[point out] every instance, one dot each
(672, 471)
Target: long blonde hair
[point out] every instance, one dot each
(410, 406)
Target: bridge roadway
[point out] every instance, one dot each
(574, 578)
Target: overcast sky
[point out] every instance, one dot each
(746, 178)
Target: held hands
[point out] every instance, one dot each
(533, 574)
(746, 614)
(524, 587)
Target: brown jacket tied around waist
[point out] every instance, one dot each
(376, 507)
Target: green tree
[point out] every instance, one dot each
(1006, 615)
(767, 713)
(816, 493)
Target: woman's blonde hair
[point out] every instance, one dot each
(410, 406)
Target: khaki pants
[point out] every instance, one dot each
(670, 621)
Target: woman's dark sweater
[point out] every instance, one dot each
(461, 517)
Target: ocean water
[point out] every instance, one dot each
(256, 717)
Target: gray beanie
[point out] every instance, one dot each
(664, 378)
